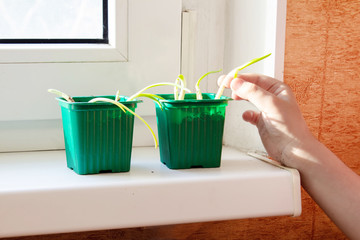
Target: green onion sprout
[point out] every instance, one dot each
(61, 94)
(183, 84)
(197, 86)
(182, 81)
(123, 107)
(176, 89)
(156, 85)
(153, 97)
(117, 96)
(222, 86)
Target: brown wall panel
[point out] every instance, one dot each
(333, 114)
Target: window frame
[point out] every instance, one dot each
(103, 40)
(116, 50)
(35, 123)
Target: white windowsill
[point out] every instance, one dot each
(40, 195)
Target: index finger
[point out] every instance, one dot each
(265, 82)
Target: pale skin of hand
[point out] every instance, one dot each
(280, 122)
(287, 139)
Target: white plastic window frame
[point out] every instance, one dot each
(39, 128)
(115, 51)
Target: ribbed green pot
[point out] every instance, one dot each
(191, 131)
(98, 136)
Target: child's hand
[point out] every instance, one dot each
(280, 122)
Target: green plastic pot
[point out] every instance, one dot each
(98, 136)
(191, 131)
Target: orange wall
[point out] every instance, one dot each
(322, 65)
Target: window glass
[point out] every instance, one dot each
(32, 21)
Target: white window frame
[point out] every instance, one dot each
(115, 51)
(35, 123)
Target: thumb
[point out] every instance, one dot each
(261, 98)
(251, 117)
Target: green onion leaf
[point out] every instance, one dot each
(197, 86)
(222, 86)
(176, 89)
(183, 84)
(255, 60)
(117, 97)
(156, 85)
(61, 94)
(153, 97)
(123, 107)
